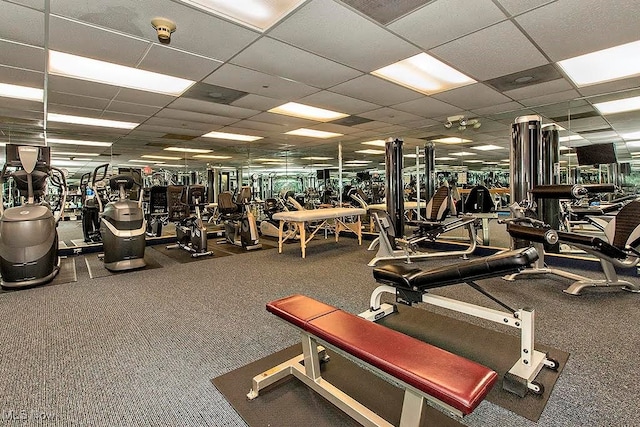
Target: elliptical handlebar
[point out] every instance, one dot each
(59, 180)
(93, 181)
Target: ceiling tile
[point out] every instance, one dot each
(142, 97)
(223, 110)
(21, 56)
(500, 108)
(77, 100)
(174, 62)
(582, 20)
(273, 57)
(261, 126)
(196, 32)
(127, 107)
(427, 107)
(257, 102)
(510, 52)
(335, 32)
(240, 78)
(609, 87)
(80, 39)
(22, 24)
(190, 116)
(515, 7)
(283, 120)
(445, 20)
(202, 128)
(376, 90)
(546, 88)
(21, 77)
(551, 98)
(472, 96)
(336, 102)
(81, 87)
(390, 115)
(168, 129)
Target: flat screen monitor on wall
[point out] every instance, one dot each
(596, 154)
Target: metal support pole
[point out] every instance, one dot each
(429, 170)
(418, 189)
(394, 190)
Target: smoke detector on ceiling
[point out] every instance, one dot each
(164, 27)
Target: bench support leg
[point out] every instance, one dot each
(412, 407)
(521, 376)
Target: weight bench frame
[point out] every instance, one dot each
(306, 367)
(521, 377)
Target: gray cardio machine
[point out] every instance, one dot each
(122, 227)
(28, 235)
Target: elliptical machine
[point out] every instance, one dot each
(239, 222)
(28, 235)
(122, 226)
(90, 204)
(270, 227)
(190, 229)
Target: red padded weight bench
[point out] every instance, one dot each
(424, 372)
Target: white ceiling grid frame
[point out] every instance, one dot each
(22, 24)
(390, 115)
(21, 55)
(21, 77)
(196, 32)
(274, 57)
(190, 116)
(427, 107)
(336, 32)
(376, 90)
(178, 63)
(567, 96)
(468, 97)
(257, 102)
(244, 79)
(510, 52)
(204, 107)
(132, 108)
(544, 88)
(337, 102)
(445, 20)
(580, 30)
(516, 7)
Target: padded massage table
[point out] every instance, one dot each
(300, 218)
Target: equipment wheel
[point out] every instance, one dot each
(552, 364)
(536, 388)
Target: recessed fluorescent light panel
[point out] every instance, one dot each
(376, 143)
(442, 159)
(474, 161)
(188, 150)
(307, 112)
(78, 142)
(570, 138)
(619, 105)
(316, 158)
(463, 153)
(150, 156)
(211, 156)
(313, 133)
(79, 67)
(369, 151)
(606, 65)
(257, 14)
(425, 74)
(88, 121)
(488, 147)
(451, 140)
(632, 135)
(232, 136)
(21, 92)
(69, 153)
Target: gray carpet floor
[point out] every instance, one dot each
(141, 348)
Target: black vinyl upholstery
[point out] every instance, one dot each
(482, 268)
(479, 200)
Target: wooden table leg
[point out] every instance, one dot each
(303, 238)
(280, 236)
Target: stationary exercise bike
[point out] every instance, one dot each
(239, 222)
(191, 232)
(270, 227)
(122, 226)
(28, 235)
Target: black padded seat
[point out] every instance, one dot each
(482, 268)
(596, 243)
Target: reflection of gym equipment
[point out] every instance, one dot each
(191, 232)
(620, 249)
(479, 200)
(412, 285)
(90, 204)
(269, 226)
(122, 226)
(28, 235)
(391, 246)
(158, 215)
(425, 372)
(239, 222)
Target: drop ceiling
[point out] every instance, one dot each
(321, 54)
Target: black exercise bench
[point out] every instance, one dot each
(411, 285)
(425, 372)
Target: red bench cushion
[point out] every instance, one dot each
(452, 379)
